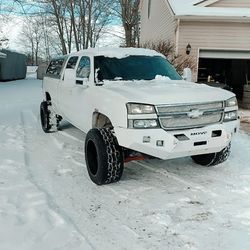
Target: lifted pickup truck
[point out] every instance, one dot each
(132, 102)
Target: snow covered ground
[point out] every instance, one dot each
(47, 200)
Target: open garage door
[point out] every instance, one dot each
(225, 67)
(225, 54)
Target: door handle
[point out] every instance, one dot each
(79, 82)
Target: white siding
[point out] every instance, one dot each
(232, 4)
(214, 35)
(160, 24)
(217, 35)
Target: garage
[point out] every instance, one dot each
(222, 68)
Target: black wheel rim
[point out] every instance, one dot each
(92, 157)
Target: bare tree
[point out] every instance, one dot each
(78, 23)
(31, 38)
(68, 24)
(4, 9)
(128, 11)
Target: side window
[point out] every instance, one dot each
(83, 70)
(55, 67)
(72, 62)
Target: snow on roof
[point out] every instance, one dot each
(119, 52)
(2, 55)
(191, 8)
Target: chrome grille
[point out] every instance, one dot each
(190, 115)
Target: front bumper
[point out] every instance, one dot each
(170, 144)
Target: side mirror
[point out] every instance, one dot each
(187, 75)
(70, 76)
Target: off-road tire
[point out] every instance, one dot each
(213, 158)
(104, 158)
(49, 120)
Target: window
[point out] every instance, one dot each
(72, 62)
(149, 8)
(83, 70)
(134, 68)
(55, 67)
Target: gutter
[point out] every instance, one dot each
(244, 19)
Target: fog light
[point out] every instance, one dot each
(145, 124)
(159, 143)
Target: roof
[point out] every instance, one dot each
(2, 55)
(118, 52)
(197, 8)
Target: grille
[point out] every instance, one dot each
(190, 115)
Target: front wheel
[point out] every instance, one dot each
(49, 120)
(213, 158)
(103, 156)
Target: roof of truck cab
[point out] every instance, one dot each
(117, 52)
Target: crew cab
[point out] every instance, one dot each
(131, 102)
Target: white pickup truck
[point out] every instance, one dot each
(132, 103)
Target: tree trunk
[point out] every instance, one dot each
(60, 27)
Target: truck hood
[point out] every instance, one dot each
(159, 92)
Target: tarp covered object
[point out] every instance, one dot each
(13, 67)
(2, 55)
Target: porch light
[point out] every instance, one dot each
(188, 49)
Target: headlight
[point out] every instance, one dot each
(231, 102)
(152, 123)
(230, 116)
(136, 109)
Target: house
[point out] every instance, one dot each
(216, 33)
(12, 65)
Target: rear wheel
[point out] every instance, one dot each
(104, 157)
(213, 158)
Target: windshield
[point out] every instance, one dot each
(134, 68)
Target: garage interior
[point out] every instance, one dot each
(220, 72)
(226, 69)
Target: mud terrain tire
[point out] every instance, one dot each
(214, 158)
(103, 156)
(49, 120)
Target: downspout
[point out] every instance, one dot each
(177, 37)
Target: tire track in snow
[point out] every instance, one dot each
(50, 201)
(104, 211)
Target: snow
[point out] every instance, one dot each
(118, 52)
(47, 200)
(188, 8)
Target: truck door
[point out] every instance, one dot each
(74, 93)
(65, 89)
(80, 95)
